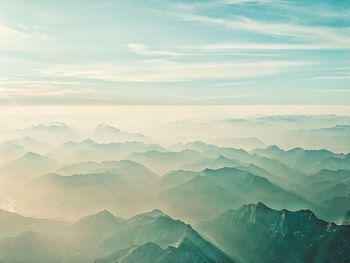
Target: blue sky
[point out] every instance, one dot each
(174, 52)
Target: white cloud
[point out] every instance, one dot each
(165, 71)
(335, 91)
(248, 47)
(11, 38)
(146, 51)
(319, 36)
(42, 92)
(22, 37)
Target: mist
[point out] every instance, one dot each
(96, 184)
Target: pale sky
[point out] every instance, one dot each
(174, 52)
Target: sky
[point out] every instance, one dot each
(209, 52)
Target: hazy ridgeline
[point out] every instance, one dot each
(176, 188)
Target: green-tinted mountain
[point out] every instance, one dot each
(105, 133)
(176, 177)
(32, 144)
(214, 191)
(10, 151)
(13, 224)
(346, 219)
(256, 233)
(215, 163)
(52, 133)
(89, 150)
(81, 194)
(280, 172)
(29, 166)
(96, 227)
(31, 247)
(165, 233)
(137, 175)
(185, 252)
(330, 189)
(307, 161)
(163, 162)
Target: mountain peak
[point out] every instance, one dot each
(259, 207)
(104, 213)
(274, 148)
(262, 206)
(88, 142)
(223, 158)
(102, 217)
(32, 155)
(106, 127)
(148, 216)
(155, 213)
(52, 126)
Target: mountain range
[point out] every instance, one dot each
(257, 233)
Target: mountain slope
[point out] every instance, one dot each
(256, 233)
(30, 247)
(170, 238)
(213, 191)
(105, 133)
(70, 194)
(13, 224)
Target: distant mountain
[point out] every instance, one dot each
(96, 227)
(32, 144)
(215, 163)
(224, 162)
(280, 173)
(257, 233)
(326, 175)
(330, 189)
(81, 194)
(32, 161)
(198, 146)
(321, 120)
(30, 247)
(135, 174)
(337, 206)
(247, 143)
(307, 161)
(335, 138)
(89, 150)
(269, 151)
(163, 162)
(176, 177)
(13, 224)
(214, 191)
(104, 133)
(27, 167)
(10, 151)
(52, 133)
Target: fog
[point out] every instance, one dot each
(106, 184)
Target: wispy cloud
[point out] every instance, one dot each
(319, 36)
(147, 51)
(336, 91)
(11, 38)
(42, 92)
(166, 71)
(21, 37)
